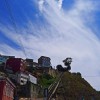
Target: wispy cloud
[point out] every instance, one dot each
(60, 2)
(66, 34)
(41, 2)
(7, 50)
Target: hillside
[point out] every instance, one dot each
(74, 87)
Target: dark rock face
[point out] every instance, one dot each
(67, 62)
(60, 68)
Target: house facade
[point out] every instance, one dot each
(15, 65)
(6, 89)
(29, 62)
(22, 78)
(3, 59)
(44, 61)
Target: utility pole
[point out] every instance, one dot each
(45, 93)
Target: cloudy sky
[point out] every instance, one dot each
(54, 28)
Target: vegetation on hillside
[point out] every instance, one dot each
(74, 87)
(46, 80)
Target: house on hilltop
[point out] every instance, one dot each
(44, 61)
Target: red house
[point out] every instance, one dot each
(6, 89)
(15, 65)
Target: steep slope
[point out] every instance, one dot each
(74, 87)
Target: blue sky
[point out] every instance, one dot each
(54, 28)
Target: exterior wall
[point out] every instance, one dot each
(29, 92)
(29, 62)
(22, 78)
(29, 65)
(32, 79)
(3, 60)
(44, 61)
(6, 89)
(24, 99)
(15, 64)
(31, 99)
(1, 89)
(35, 64)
